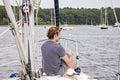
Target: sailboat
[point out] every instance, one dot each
(104, 21)
(117, 24)
(24, 38)
(66, 27)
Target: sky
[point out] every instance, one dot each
(76, 3)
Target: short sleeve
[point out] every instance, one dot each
(61, 51)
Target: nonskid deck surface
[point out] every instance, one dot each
(82, 76)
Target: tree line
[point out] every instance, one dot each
(71, 16)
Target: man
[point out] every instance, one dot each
(55, 60)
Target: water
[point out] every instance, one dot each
(98, 50)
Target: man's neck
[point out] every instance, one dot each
(52, 40)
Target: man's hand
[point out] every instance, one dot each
(70, 52)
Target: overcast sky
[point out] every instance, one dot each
(77, 3)
(81, 3)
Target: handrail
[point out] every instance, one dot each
(61, 38)
(81, 43)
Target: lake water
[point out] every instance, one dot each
(98, 50)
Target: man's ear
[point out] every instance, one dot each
(55, 35)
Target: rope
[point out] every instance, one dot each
(4, 32)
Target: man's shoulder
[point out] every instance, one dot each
(45, 43)
(50, 43)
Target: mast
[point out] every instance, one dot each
(106, 17)
(56, 7)
(114, 11)
(51, 17)
(101, 17)
(86, 21)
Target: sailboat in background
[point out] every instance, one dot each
(66, 27)
(117, 24)
(104, 20)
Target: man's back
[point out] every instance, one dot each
(51, 53)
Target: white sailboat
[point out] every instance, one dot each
(25, 43)
(66, 26)
(117, 24)
(104, 21)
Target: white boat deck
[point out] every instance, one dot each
(82, 76)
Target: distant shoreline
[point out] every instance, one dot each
(4, 25)
(52, 25)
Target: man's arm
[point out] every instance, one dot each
(69, 62)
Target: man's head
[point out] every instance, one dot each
(54, 33)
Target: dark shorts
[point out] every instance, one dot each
(63, 67)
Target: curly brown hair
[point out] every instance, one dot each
(52, 31)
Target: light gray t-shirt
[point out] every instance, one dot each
(51, 53)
